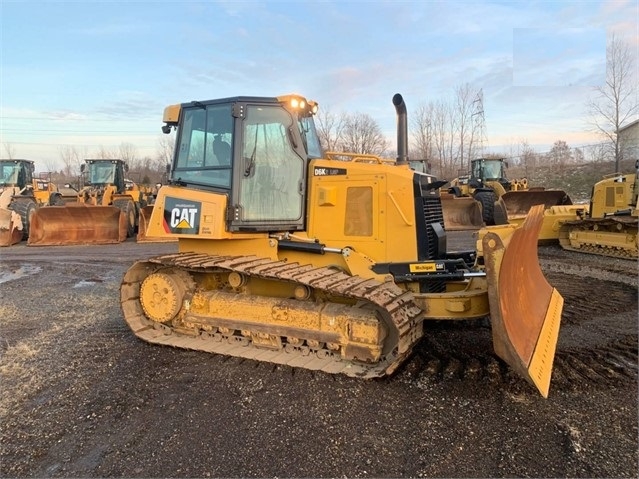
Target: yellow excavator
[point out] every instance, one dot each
(291, 256)
(21, 193)
(608, 226)
(105, 210)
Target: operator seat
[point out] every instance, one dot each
(222, 151)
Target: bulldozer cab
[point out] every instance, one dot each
(253, 150)
(16, 173)
(100, 173)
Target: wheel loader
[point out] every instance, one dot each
(609, 225)
(291, 256)
(21, 193)
(500, 199)
(106, 209)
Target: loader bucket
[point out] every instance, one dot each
(525, 309)
(461, 213)
(10, 228)
(144, 219)
(518, 203)
(77, 224)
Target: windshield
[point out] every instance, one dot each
(9, 173)
(492, 170)
(101, 173)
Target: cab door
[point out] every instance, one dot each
(269, 171)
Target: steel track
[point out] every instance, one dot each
(394, 304)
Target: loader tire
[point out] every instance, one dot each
(56, 200)
(128, 208)
(487, 201)
(25, 208)
(500, 214)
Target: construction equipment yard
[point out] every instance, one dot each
(83, 397)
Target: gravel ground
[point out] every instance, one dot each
(82, 397)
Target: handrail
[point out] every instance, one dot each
(399, 210)
(356, 157)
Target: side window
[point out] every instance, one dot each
(272, 173)
(205, 153)
(477, 167)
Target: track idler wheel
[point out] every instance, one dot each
(162, 294)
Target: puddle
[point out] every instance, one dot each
(21, 272)
(83, 283)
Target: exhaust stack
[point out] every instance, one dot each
(402, 130)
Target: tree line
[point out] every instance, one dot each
(449, 134)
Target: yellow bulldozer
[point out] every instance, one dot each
(609, 225)
(487, 196)
(21, 193)
(291, 257)
(105, 210)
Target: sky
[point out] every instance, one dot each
(96, 74)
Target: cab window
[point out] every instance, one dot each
(204, 151)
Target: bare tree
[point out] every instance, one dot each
(464, 109)
(422, 136)
(71, 159)
(106, 154)
(163, 157)
(330, 129)
(616, 101)
(528, 160)
(165, 149)
(559, 156)
(444, 141)
(128, 152)
(9, 150)
(362, 134)
(49, 166)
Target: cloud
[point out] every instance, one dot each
(549, 57)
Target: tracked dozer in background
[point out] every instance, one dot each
(290, 257)
(609, 225)
(106, 210)
(21, 193)
(500, 199)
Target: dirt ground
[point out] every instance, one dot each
(82, 397)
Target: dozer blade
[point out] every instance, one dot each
(525, 309)
(461, 213)
(10, 228)
(518, 203)
(77, 224)
(145, 218)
